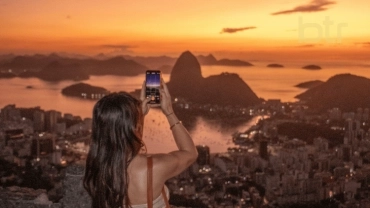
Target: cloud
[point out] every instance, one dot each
(364, 44)
(118, 48)
(301, 46)
(306, 46)
(234, 30)
(313, 6)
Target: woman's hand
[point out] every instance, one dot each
(166, 102)
(145, 106)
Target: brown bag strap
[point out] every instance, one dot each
(165, 198)
(149, 194)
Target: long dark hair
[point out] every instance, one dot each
(115, 140)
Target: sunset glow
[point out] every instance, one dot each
(164, 27)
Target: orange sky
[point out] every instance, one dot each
(234, 28)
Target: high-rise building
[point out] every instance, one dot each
(51, 119)
(347, 153)
(42, 146)
(56, 157)
(321, 144)
(10, 113)
(354, 133)
(39, 121)
(60, 128)
(263, 149)
(203, 155)
(68, 116)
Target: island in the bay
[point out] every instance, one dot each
(309, 84)
(85, 91)
(275, 66)
(312, 67)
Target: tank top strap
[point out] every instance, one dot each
(149, 194)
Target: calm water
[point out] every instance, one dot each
(268, 83)
(278, 83)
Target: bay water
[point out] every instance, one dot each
(267, 83)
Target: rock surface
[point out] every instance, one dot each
(225, 89)
(312, 67)
(345, 91)
(275, 66)
(309, 84)
(86, 91)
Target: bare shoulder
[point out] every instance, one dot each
(163, 165)
(139, 163)
(163, 159)
(167, 165)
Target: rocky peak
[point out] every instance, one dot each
(345, 91)
(186, 70)
(207, 60)
(224, 89)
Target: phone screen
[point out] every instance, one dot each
(152, 86)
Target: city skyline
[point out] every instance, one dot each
(236, 29)
(285, 125)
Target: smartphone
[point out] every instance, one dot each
(152, 86)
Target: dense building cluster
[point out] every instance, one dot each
(270, 169)
(35, 147)
(271, 165)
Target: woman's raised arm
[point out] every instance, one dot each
(175, 162)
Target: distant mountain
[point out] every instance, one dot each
(156, 62)
(42, 66)
(207, 60)
(225, 89)
(211, 60)
(309, 84)
(101, 64)
(56, 71)
(100, 56)
(232, 62)
(113, 66)
(275, 66)
(72, 55)
(29, 63)
(6, 57)
(85, 91)
(345, 91)
(312, 67)
(166, 69)
(153, 62)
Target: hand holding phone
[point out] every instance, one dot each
(152, 86)
(166, 102)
